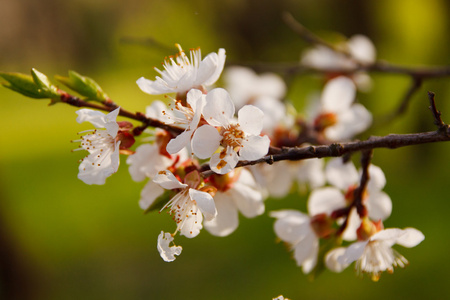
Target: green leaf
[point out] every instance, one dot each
(45, 85)
(23, 84)
(159, 202)
(83, 85)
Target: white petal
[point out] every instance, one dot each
(219, 108)
(193, 97)
(159, 111)
(338, 94)
(205, 141)
(219, 62)
(146, 162)
(152, 87)
(306, 250)
(248, 200)
(377, 179)
(251, 119)
(325, 200)
(149, 193)
(332, 260)
(179, 142)
(341, 175)
(353, 223)
(388, 236)
(411, 238)
(167, 253)
(227, 219)
(291, 226)
(354, 252)
(362, 49)
(379, 205)
(223, 165)
(168, 181)
(192, 226)
(205, 203)
(254, 147)
(311, 171)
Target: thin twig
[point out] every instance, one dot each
(436, 114)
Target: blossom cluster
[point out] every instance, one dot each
(192, 172)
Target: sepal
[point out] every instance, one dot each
(83, 85)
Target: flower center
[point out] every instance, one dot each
(98, 143)
(233, 136)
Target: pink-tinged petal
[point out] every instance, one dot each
(411, 237)
(248, 200)
(168, 181)
(225, 164)
(219, 108)
(377, 179)
(254, 147)
(353, 253)
(226, 220)
(379, 205)
(179, 142)
(353, 223)
(205, 203)
(192, 225)
(338, 94)
(325, 200)
(341, 175)
(149, 193)
(219, 63)
(167, 252)
(251, 119)
(362, 49)
(291, 226)
(205, 141)
(332, 260)
(305, 250)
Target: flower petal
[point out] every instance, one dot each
(291, 226)
(254, 147)
(332, 260)
(218, 62)
(167, 253)
(205, 203)
(325, 200)
(411, 238)
(338, 94)
(341, 175)
(149, 193)
(219, 108)
(353, 253)
(192, 225)
(227, 219)
(176, 144)
(248, 200)
(251, 119)
(379, 205)
(205, 141)
(168, 181)
(225, 164)
(307, 250)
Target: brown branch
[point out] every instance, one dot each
(391, 141)
(436, 114)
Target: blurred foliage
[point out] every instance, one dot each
(76, 241)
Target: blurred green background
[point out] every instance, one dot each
(62, 239)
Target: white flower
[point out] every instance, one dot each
(181, 74)
(243, 196)
(294, 228)
(102, 145)
(189, 117)
(186, 204)
(167, 252)
(361, 51)
(246, 87)
(338, 117)
(375, 255)
(241, 140)
(344, 178)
